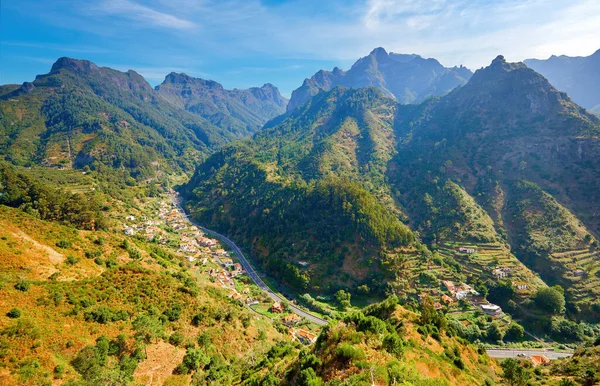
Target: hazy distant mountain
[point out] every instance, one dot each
(577, 76)
(240, 111)
(405, 78)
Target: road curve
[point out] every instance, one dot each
(514, 353)
(249, 269)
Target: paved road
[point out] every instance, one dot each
(510, 353)
(250, 270)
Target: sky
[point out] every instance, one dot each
(245, 43)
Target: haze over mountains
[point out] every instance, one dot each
(393, 201)
(577, 76)
(237, 111)
(406, 78)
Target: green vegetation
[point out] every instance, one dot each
(49, 203)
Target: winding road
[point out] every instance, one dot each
(249, 269)
(514, 353)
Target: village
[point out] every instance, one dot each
(172, 230)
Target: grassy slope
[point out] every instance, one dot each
(52, 313)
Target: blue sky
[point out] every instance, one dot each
(243, 43)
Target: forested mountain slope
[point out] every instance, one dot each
(80, 115)
(240, 112)
(450, 169)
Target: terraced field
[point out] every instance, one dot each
(487, 256)
(581, 267)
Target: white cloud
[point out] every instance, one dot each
(141, 13)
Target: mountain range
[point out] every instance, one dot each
(81, 114)
(405, 78)
(236, 111)
(351, 179)
(422, 211)
(577, 76)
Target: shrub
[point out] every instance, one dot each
(103, 315)
(93, 254)
(173, 313)
(72, 260)
(22, 286)
(458, 362)
(176, 339)
(59, 370)
(393, 344)
(14, 313)
(63, 244)
(348, 352)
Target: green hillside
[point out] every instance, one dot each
(82, 115)
(448, 170)
(239, 112)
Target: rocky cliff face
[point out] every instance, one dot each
(406, 78)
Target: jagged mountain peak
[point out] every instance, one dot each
(175, 78)
(408, 78)
(75, 65)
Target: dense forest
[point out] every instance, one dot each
(46, 202)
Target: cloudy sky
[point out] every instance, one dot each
(242, 43)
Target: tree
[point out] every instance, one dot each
(494, 334)
(501, 293)
(343, 298)
(515, 332)
(550, 300)
(195, 359)
(147, 328)
(393, 344)
(308, 377)
(513, 373)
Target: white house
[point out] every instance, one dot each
(491, 309)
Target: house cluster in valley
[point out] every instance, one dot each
(172, 229)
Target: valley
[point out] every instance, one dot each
(396, 223)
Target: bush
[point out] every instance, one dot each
(550, 300)
(22, 286)
(59, 370)
(173, 313)
(14, 313)
(103, 315)
(176, 339)
(393, 344)
(348, 352)
(63, 244)
(72, 260)
(458, 362)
